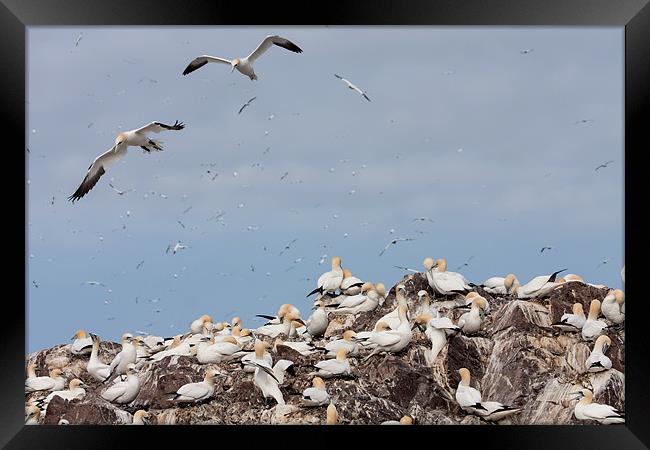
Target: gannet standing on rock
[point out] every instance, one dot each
(284, 309)
(264, 377)
(128, 355)
(392, 341)
(199, 326)
(348, 342)
(178, 347)
(53, 382)
(539, 286)
(367, 300)
(469, 298)
(392, 318)
(274, 331)
(317, 322)
(471, 321)
(331, 368)
(572, 322)
(586, 409)
(208, 351)
(350, 285)
(593, 327)
(597, 361)
(76, 389)
(124, 391)
(95, 367)
(196, 392)
(613, 306)
(330, 281)
(316, 395)
(437, 329)
(244, 65)
(424, 306)
(82, 343)
(447, 283)
(500, 285)
(470, 400)
(252, 356)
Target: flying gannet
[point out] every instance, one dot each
(352, 86)
(244, 65)
(133, 138)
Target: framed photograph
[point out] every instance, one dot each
(248, 216)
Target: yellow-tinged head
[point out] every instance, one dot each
(284, 308)
(471, 295)
(210, 375)
(140, 414)
(229, 339)
(347, 273)
(573, 277)
(464, 376)
(336, 263)
(382, 326)
(620, 296)
(75, 383)
(367, 286)
(236, 321)
(318, 383)
(509, 281)
(594, 309)
(80, 334)
(603, 343)
(260, 348)
(423, 318)
(381, 289)
(479, 302)
(205, 318)
(126, 337)
(577, 309)
(406, 420)
(332, 415)
(348, 335)
(428, 263)
(342, 354)
(441, 264)
(120, 138)
(55, 373)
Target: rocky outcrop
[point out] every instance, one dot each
(516, 359)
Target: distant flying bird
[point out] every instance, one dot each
(118, 191)
(352, 86)
(93, 283)
(244, 65)
(81, 35)
(526, 51)
(187, 209)
(393, 242)
(36, 285)
(603, 262)
(465, 264)
(140, 264)
(287, 247)
(545, 248)
(422, 219)
(407, 269)
(123, 140)
(603, 165)
(583, 121)
(178, 246)
(180, 223)
(246, 104)
(284, 176)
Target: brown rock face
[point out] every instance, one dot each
(517, 359)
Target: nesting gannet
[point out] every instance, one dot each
(613, 306)
(329, 281)
(128, 355)
(33, 415)
(82, 343)
(598, 361)
(392, 318)
(199, 325)
(178, 347)
(124, 391)
(318, 321)
(266, 356)
(332, 415)
(244, 65)
(538, 286)
(391, 340)
(304, 348)
(586, 409)
(196, 392)
(350, 285)
(471, 321)
(366, 300)
(243, 337)
(274, 331)
(53, 382)
(406, 420)
(469, 298)
(316, 395)
(572, 322)
(593, 327)
(334, 367)
(264, 377)
(500, 285)
(139, 417)
(437, 329)
(470, 401)
(134, 138)
(352, 86)
(208, 351)
(95, 367)
(447, 283)
(348, 342)
(381, 290)
(424, 307)
(284, 309)
(76, 389)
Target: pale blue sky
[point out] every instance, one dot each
(524, 178)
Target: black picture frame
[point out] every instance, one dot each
(633, 15)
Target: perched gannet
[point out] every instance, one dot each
(430, 266)
(572, 277)
(95, 367)
(471, 321)
(367, 300)
(392, 318)
(139, 416)
(76, 389)
(572, 322)
(538, 286)
(82, 343)
(243, 337)
(281, 367)
(265, 377)
(332, 415)
(124, 391)
(597, 361)
(154, 343)
(128, 355)
(469, 298)
(330, 281)
(613, 306)
(406, 420)
(593, 327)
(424, 306)
(318, 321)
(196, 392)
(53, 382)
(282, 311)
(33, 415)
(437, 329)
(348, 342)
(500, 285)
(381, 290)
(334, 367)
(244, 65)
(316, 395)
(350, 285)
(208, 351)
(447, 283)
(178, 347)
(134, 138)
(470, 401)
(391, 340)
(199, 325)
(352, 86)
(585, 409)
(304, 348)
(252, 356)
(274, 331)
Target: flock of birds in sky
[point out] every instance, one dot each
(339, 292)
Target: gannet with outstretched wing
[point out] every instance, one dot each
(352, 86)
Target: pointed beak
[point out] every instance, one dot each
(233, 69)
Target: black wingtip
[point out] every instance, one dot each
(319, 290)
